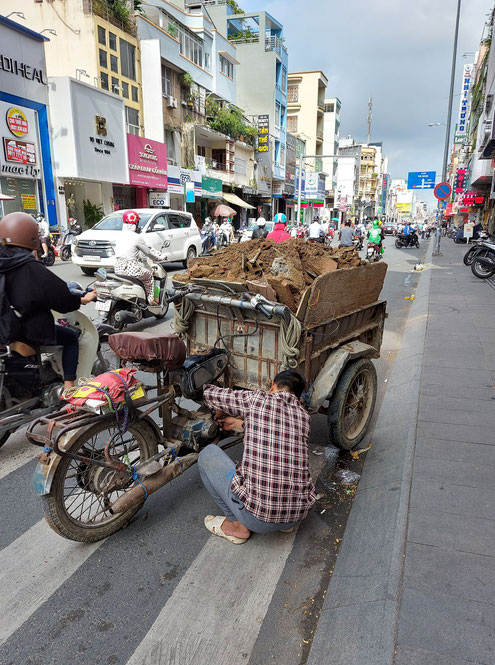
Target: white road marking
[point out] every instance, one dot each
(32, 568)
(218, 607)
(15, 453)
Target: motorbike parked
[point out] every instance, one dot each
(411, 240)
(65, 248)
(483, 263)
(122, 300)
(476, 245)
(31, 380)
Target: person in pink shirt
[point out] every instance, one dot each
(279, 233)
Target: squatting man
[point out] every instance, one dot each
(271, 488)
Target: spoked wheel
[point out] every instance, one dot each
(351, 407)
(479, 269)
(78, 506)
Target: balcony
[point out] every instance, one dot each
(102, 8)
(274, 43)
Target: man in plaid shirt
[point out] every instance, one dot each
(271, 488)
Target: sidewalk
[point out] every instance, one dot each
(414, 582)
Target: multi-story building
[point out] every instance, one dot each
(306, 110)
(348, 172)
(331, 135)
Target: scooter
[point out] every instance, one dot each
(31, 380)
(407, 241)
(358, 243)
(373, 253)
(49, 259)
(483, 263)
(74, 229)
(122, 300)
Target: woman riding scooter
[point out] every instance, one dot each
(129, 248)
(33, 291)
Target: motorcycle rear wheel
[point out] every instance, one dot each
(469, 255)
(398, 243)
(74, 508)
(481, 271)
(50, 259)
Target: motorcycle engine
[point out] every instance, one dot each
(195, 431)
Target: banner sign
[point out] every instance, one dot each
(263, 133)
(462, 123)
(460, 181)
(147, 162)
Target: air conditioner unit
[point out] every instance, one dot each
(171, 102)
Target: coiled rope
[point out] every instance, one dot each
(290, 336)
(182, 315)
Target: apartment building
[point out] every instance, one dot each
(331, 135)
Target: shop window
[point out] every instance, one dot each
(127, 60)
(103, 58)
(132, 120)
(112, 41)
(135, 94)
(115, 86)
(114, 63)
(102, 36)
(201, 150)
(104, 80)
(125, 90)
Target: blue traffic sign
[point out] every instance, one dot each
(421, 180)
(442, 191)
(442, 205)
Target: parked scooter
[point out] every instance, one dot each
(483, 264)
(73, 229)
(411, 240)
(476, 245)
(31, 380)
(122, 300)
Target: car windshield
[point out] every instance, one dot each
(113, 222)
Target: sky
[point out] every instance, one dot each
(397, 51)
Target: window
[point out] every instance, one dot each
(112, 41)
(284, 79)
(167, 81)
(115, 85)
(125, 90)
(282, 155)
(329, 108)
(240, 166)
(201, 150)
(114, 63)
(132, 120)
(277, 114)
(104, 80)
(226, 67)
(103, 58)
(292, 124)
(207, 61)
(189, 45)
(161, 220)
(178, 221)
(127, 60)
(293, 93)
(135, 94)
(282, 115)
(102, 36)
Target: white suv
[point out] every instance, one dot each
(96, 247)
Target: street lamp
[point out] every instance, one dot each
(19, 14)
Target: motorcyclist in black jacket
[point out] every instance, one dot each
(34, 291)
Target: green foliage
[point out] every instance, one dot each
(244, 35)
(230, 121)
(186, 80)
(172, 30)
(92, 213)
(138, 6)
(120, 10)
(235, 7)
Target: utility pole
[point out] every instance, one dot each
(436, 251)
(370, 117)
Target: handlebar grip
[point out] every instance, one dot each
(175, 297)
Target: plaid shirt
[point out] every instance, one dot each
(273, 479)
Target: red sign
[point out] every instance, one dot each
(442, 191)
(460, 181)
(147, 162)
(448, 210)
(472, 198)
(20, 152)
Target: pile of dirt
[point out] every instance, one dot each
(279, 271)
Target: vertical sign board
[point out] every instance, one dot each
(263, 133)
(462, 121)
(460, 181)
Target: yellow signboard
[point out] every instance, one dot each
(28, 201)
(403, 207)
(17, 122)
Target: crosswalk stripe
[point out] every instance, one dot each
(32, 568)
(218, 607)
(16, 454)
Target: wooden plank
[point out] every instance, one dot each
(342, 291)
(301, 310)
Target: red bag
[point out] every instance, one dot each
(106, 388)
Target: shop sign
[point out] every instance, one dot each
(464, 104)
(264, 173)
(18, 158)
(460, 181)
(177, 178)
(22, 69)
(147, 162)
(159, 199)
(17, 122)
(472, 198)
(318, 204)
(211, 188)
(277, 189)
(315, 186)
(28, 201)
(263, 133)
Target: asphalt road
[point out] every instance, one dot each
(163, 591)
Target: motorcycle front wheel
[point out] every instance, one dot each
(50, 259)
(78, 506)
(398, 243)
(482, 271)
(469, 255)
(65, 253)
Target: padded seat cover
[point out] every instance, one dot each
(169, 349)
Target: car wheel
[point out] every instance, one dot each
(191, 254)
(88, 271)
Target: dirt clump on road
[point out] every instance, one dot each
(286, 269)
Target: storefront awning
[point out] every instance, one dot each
(232, 198)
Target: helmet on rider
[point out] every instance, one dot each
(261, 221)
(280, 218)
(316, 218)
(19, 230)
(376, 224)
(131, 217)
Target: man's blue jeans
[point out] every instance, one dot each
(217, 470)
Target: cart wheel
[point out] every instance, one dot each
(352, 404)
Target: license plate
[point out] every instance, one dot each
(92, 259)
(103, 305)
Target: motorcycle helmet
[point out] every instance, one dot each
(316, 218)
(19, 229)
(131, 217)
(376, 224)
(261, 222)
(280, 218)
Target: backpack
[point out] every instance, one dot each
(10, 319)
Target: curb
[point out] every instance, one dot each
(359, 617)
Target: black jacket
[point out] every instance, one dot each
(33, 290)
(259, 232)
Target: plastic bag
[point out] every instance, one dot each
(347, 477)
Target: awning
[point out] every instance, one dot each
(232, 198)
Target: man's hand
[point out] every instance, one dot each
(231, 424)
(90, 295)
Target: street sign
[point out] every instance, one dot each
(421, 179)
(442, 191)
(442, 205)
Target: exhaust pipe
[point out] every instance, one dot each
(128, 317)
(136, 495)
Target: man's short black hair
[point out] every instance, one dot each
(291, 380)
(348, 223)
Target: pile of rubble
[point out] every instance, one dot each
(281, 272)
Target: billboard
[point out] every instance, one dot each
(462, 121)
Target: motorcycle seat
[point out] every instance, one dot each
(128, 278)
(167, 349)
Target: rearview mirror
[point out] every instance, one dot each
(101, 274)
(158, 227)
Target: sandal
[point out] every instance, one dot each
(214, 526)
